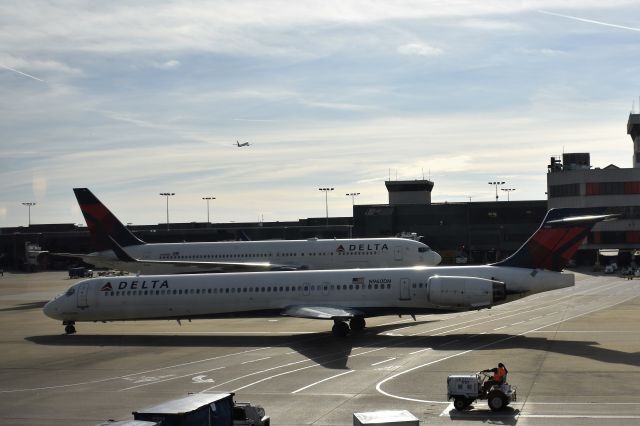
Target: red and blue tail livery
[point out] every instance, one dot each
(102, 223)
(561, 234)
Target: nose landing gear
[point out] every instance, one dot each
(69, 327)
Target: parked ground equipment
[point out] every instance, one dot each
(465, 389)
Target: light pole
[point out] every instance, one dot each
(167, 194)
(507, 190)
(326, 201)
(208, 199)
(353, 195)
(496, 184)
(29, 204)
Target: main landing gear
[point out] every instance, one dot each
(70, 327)
(342, 329)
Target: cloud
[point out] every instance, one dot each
(37, 66)
(143, 97)
(168, 65)
(39, 185)
(419, 49)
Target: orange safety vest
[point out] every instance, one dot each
(499, 375)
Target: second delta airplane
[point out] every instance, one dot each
(345, 296)
(239, 256)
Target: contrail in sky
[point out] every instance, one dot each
(23, 73)
(590, 21)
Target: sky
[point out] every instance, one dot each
(135, 98)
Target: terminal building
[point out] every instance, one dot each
(573, 182)
(480, 231)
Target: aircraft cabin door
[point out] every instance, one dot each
(83, 289)
(397, 253)
(405, 291)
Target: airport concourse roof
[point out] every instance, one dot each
(184, 405)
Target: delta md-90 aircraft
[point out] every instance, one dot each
(238, 256)
(345, 296)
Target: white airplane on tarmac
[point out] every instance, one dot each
(238, 256)
(345, 296)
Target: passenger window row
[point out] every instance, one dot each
(262, 255)
(234, 290)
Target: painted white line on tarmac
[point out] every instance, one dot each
(273, 377)
(260, 372)
(172, 378)
(91, 382)
(382, 382)
(382, 362)
(421, 350)
(322, 381)
(447, 409)
(254, 360)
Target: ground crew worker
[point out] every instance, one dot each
(499, 376)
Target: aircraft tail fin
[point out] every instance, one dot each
(103, 225)
(556, 241)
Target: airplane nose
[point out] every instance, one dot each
(50, 309)
(436, 258)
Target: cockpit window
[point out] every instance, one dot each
(423, 249)
(70, 291)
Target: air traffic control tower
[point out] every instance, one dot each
(409, 191)
(633, 130)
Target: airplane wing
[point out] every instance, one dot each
(321, 312)
(139, 265)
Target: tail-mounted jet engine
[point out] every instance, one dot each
(464, 292)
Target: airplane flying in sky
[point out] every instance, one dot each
(241, 144)
(345, 296)
(233, 256)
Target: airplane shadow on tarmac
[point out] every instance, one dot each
(332, 352)
(25, 306)
(508, 416)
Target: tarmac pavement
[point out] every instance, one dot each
(574, 355)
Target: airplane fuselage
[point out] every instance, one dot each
(308, 254)
(371, 292)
